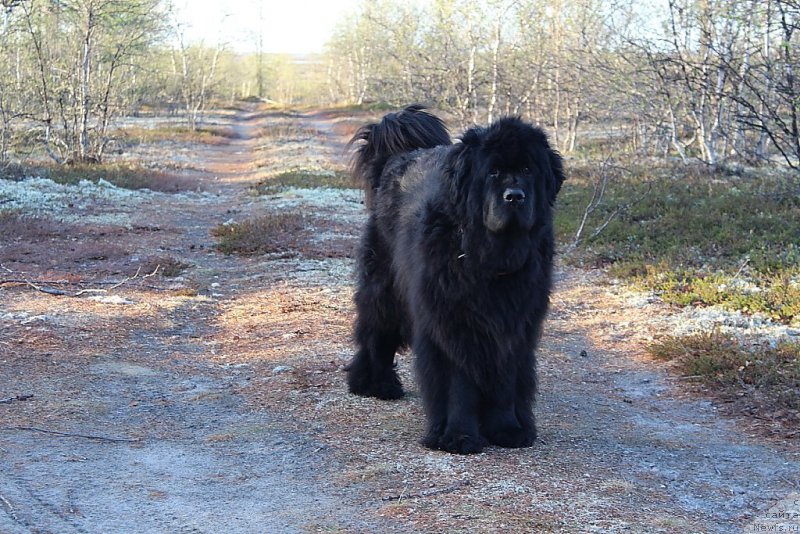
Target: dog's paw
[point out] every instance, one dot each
(387, 387)
(456, 443)
(432, 437)
(461, 443)
(513, 437)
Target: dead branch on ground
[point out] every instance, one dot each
(9, 400)
(449, 489)
(71, 434)
(39, 285)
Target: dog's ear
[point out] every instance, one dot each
(462, 160)
(473, 136)
(556, 175)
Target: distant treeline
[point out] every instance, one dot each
(708, 80)
(714, 80)
(69, 67)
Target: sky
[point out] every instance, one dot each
(287, 26)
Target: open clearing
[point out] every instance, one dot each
(213, 401)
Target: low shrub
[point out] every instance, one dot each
(274, 232)
(770, 371)
(695, 238)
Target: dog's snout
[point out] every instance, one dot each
(514, 195)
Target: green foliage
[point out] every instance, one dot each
(695, 239)
(775, 294)
(274, 232)
(721, 361)
(303, 179)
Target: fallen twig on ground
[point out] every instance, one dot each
(70, 434)
(48, 290)
(9, 400)
(38, 285)
(139, 270)
(9, 509)
(449, 489)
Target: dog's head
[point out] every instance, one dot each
(509, 174)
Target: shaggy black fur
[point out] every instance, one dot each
(456, 261)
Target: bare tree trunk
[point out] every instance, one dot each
(790, 83)
(762, 147)
(573, 119)
(5, 130)
(86, 71)
(44, 88)
(557, 105)
(674, 141)
(495, 68)
(471, 101)
(202, 95)
(260, 51)
(740, 137)
(105, 105)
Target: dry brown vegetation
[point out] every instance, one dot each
(762, 380)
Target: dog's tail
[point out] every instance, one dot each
(397, 133)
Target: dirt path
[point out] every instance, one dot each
(214, 402)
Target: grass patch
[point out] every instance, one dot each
(382, 107)
(185, 292)
(38, 241)
(15, 226)
(125, 176)
(695, 239)
(304, 179)
(282, 132)
(770, 373)
(775, 294)
(276, 232)
(209, 135)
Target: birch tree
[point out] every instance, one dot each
(82, 54)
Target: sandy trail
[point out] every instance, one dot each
(226, 410)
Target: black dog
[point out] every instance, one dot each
(456, 260)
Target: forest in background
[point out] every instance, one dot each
(708, 79)
(713, 81)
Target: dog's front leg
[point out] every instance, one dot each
(461, 434)
(450, 400)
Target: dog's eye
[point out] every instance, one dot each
(526, 171)
(494, 173)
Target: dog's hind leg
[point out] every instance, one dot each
(378, 326)
(371, 373)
